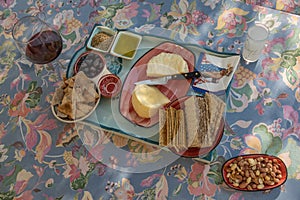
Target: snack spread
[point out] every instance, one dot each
(146, 100)
(194, 125)
(75, 98)
(165, 64)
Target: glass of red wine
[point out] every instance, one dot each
(38, 41)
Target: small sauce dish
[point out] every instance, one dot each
(93, 64)
(109, 85)
(126, 45)
(101, 39)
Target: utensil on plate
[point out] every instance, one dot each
(164, 80)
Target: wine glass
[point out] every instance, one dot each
(38, 41)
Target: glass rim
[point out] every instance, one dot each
(21, 21)
(262, 26)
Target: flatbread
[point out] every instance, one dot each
(58, 96)
(76, 97)
(67, 109)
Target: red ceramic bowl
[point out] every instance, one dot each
(280, 172)
(92, 63)
(109, 85)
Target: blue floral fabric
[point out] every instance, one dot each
(42, 158)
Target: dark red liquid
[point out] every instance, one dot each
(44, 47)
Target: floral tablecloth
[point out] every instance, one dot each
(42, 158)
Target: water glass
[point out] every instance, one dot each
(255, 42)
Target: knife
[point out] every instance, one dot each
(164, 80)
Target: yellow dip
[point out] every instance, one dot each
(126, 45)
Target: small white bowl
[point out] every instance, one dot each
(98, 29)
(126, 45)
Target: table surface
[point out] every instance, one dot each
(42, 158)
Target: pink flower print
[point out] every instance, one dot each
(229, 19)
(149, 180)
(122, 19)
(199, 182)
(22, 180)
(293, 117)
(7, 3)
(126, 191)
(72, 172)
(232, 22)
(18, 106)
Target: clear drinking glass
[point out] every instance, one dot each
(37, 40)
(255, 42)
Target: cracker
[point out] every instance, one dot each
(162, 127)
(216, 108)
(175, 128)
(182, 140)
(191, 115)
(172, 126)
(204, 117)
(168, 126)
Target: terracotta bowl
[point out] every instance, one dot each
(261, 165)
